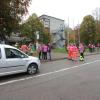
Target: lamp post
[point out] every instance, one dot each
(78, 32)
(37, 35)
(68, 32)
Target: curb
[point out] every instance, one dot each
(56, 59)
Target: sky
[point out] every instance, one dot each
(72, 11)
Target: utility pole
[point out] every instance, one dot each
(74, 31)
(78, 33)
(68, 32)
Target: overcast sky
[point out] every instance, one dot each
(75, 10)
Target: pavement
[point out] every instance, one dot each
(58, 80)
(59, 56)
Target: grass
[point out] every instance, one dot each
(59, 50)
(62, 50)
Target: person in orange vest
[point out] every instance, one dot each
(74, 52)
(68, 51)
(69, 48)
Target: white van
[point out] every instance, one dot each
(12, 61)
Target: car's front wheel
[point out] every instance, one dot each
(32, 69)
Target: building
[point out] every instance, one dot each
(55, 27)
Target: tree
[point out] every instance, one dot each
(96, 14)
(11, 12)
(46, 36)
(88, 29)
(33, 25)
(97, 36)
(77, 35)
(69, 35)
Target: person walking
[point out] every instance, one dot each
(81, 50)
(49, 50)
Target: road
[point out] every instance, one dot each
(58, 80)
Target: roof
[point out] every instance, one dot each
(7, 46)
(50, 16)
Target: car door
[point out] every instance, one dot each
(15, 60)
(1, 62)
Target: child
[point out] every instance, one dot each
(81, 49)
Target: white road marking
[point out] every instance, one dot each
(61, 70)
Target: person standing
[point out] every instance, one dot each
(16, 45)
(49, 50)
(40, 51)
(81, 50)
(45, 50)
(24, 48)
(74, 52)
(31, 48)
(69, 49)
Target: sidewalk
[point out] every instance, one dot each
(59, 56)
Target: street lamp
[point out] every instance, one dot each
(37, 35)
(78, 33)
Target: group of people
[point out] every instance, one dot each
(91, 47)
(42, 50)
(73, 51)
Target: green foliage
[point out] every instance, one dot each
(97, 36)
(46, 37)
(33, 25)
(88, 29)
(11, 12)
(59, 50)
(69, 35)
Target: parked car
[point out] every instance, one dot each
(13, 60)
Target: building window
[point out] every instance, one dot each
(46, 23)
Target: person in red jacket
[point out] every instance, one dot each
(24, 48)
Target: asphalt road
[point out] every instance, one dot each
(58, 80)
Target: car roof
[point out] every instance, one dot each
(7, 46)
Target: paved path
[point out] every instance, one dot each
(58, 56)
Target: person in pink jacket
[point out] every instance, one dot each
(70, 49)
(45, 50)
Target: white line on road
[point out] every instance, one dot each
(61, 70)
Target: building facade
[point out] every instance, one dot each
(55, 27)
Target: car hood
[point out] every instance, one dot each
(31, 57)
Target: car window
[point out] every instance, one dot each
(0, 54)
(13, 53)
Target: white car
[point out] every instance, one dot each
(12, 61)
